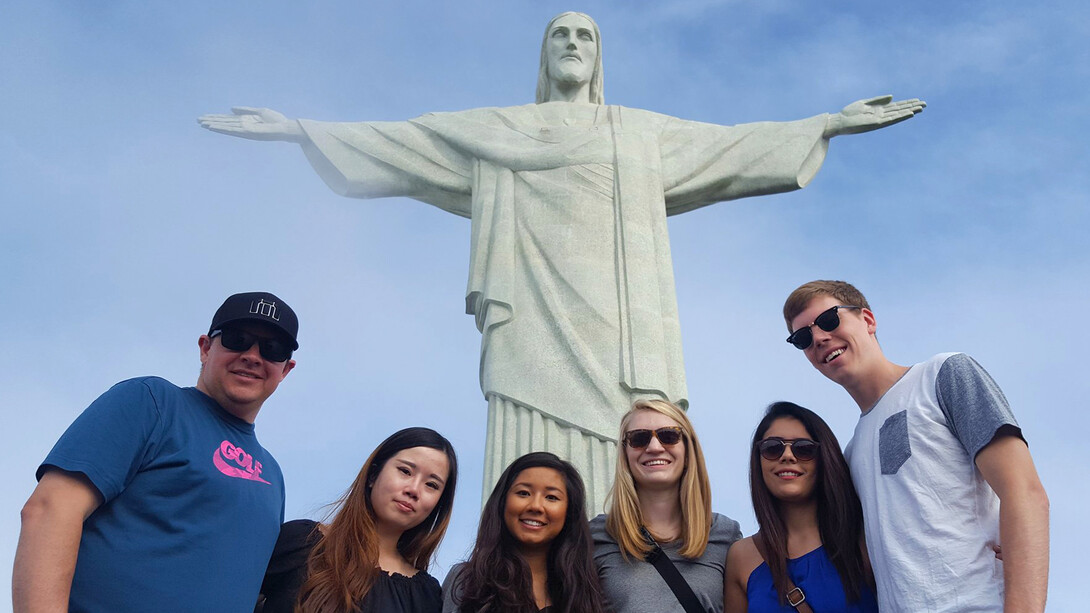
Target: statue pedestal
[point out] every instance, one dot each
(515, 430)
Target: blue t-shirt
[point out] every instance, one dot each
(192, 504)
(816, 576)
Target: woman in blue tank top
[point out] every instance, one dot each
(810, 542)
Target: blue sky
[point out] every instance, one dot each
(125, 224)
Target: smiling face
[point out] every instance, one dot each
(535, 507)
(572, 50)
(240, 381)
(847, 353)
(408, 487)
(789, 479)
(656, 466)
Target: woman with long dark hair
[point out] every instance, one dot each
(533, 546)
(373, 552)
(810, 542)
(660, 511)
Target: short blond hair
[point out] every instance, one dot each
(624, 518)
(800, 298)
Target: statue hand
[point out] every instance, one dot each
(255, 124)
(872, 114)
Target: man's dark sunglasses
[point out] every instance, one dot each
(772, 448)
(272, 349)
(638, 439)
(828, 321)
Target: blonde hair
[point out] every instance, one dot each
(624, 518)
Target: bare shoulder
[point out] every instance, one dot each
(743, 558)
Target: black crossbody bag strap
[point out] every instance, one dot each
(662, 563)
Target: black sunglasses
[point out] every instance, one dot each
(803, 449)
(638, 439)
(828, 321)
(272, 349)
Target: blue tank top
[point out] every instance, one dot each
(818, 579)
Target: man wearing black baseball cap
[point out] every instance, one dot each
(159, 496)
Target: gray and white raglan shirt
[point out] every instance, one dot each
(931, 518)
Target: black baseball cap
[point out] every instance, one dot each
(260, 307)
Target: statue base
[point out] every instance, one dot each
(515, 430)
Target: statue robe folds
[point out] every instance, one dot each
(570, 279)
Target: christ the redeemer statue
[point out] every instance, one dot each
(570, 277)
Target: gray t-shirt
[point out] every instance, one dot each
(930, 516)
(452, 588)
(634, 586)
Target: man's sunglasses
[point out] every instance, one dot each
(272, 349)
(638, 439)
(828, 321)
(772, 448)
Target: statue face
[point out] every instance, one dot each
(572, 50)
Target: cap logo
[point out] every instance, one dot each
(265, 309)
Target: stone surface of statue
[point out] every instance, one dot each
(570, 277)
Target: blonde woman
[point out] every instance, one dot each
(661, 502)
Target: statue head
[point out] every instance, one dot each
(551, 72)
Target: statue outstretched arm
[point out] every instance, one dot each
(872, 114)
(255, 124)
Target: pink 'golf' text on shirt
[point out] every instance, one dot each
(234, 462)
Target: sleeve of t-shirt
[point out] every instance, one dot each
(109, 441)
(725, 530)
(287, 565)
(974, 406)
(452, 588)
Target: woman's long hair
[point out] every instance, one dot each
(496, 578)
(839, 514)
(625, 518)
(343, 566)
(544, 82)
